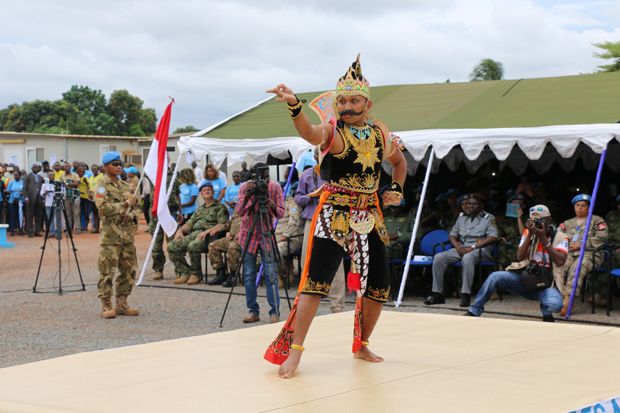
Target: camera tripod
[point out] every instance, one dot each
(58, 208)
(261, 217)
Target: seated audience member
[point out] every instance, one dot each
(188, 193)
(544, 248)
(598, 233)
(232, 192)
(290, 228)
(613, 221)
(194, 236)
(226, 245)
(398, 226)
(212, 175)
(474, 230)
(510, 229)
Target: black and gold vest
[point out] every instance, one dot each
(358, 167)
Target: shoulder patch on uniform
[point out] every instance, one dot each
(562, 226)
(101, 190)
(602, 225)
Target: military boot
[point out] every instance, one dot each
(219, 278)
(230, 280)
(193, 280)
(159, 275)
(122, 308)
(106, 308)
(182, 279)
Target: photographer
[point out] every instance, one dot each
(72, 202)
(550, 250)
(254, 191)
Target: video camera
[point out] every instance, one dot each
(259, 175)
(60, 189)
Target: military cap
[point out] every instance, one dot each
(581, 197)
(110, 157)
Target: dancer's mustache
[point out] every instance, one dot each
(350, 113)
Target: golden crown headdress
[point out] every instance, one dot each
(353, 82)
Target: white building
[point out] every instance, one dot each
(24, 149)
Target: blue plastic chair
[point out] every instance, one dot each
(432, 242)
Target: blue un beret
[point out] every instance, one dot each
(581, 197)
(132, 170)
(110, 157)
(205, 184)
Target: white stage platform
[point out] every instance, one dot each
(434, 363)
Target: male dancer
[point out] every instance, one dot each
(348, 217)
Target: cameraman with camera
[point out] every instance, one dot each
(540, 249)
(256, 193)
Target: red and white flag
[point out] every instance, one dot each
(156, 168)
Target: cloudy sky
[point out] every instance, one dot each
(218, 57)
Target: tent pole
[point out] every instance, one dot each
(418, 215)
(158, 226)
(586, 231)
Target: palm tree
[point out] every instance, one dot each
(487, 69)
(612, 51)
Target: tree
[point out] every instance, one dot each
(82, 111)
(185, 129)
(487, 69)
(129, 116)
(611, 51)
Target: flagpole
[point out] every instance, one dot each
(158, 226)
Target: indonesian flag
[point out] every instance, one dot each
(156, 168)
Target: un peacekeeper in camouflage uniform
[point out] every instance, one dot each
(290, 228)
(509, 236)
(195, 235)
(231, 247)
(158, 256)
(564, 276)
(397, 223)
(118, 214)
(613, 221)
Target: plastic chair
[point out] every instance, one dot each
(432, 242)
(604, 268)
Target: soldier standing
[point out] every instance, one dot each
(597, 236)
(118, 221)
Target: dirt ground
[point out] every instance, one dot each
(36, 326)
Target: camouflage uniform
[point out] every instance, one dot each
(565, 275)
(291, 226)
(228, 245)
(204, 218)
(117, 229)
(399, 229)
(159, 258)
(133, 183)
(508, 229)
(613, 221)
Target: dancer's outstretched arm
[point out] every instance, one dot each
(314, 134)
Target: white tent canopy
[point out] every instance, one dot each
(513, 146)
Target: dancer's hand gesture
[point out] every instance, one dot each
(284, 94)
